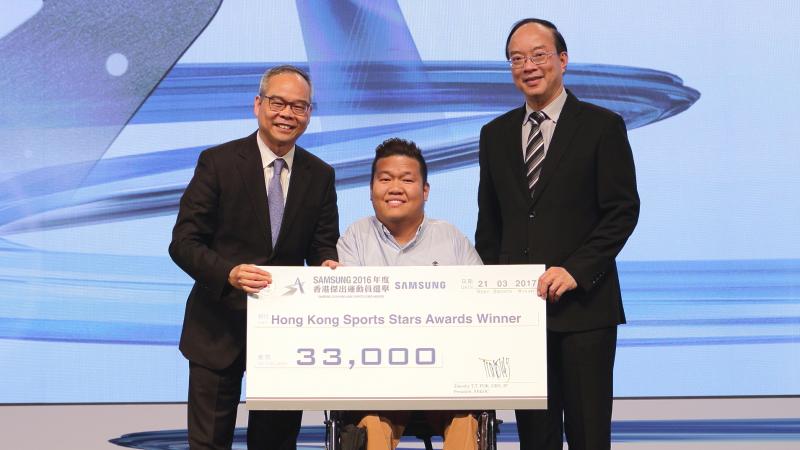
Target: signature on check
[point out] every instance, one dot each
(497, 368)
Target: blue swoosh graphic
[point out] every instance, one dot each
(360, 53)
(660, 311)
(640, 431)
(47, 198)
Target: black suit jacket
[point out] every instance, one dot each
(584, 208)
(223, 221)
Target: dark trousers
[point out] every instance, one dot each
(213, 401)
(580, 383)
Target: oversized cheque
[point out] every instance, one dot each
(447, 337)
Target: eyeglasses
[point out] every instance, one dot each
(537, 58)
(277, 104)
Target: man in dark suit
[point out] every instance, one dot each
(256, 201)
(558, 186)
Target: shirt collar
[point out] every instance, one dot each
(553, 110)
(267, 156)
(388, 234)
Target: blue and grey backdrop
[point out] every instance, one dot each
(106, 105)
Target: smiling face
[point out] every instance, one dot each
(540, 83)
(280, 129)
(399, 193)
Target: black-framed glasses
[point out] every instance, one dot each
(537, 58)
(277, 104)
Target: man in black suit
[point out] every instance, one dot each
(256, 201)
(558, 186)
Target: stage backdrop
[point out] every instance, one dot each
(106, 105)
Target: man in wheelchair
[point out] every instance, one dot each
(400, 234)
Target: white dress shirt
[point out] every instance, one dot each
(267, 157)
(548, 127)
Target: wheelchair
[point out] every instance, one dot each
(488, 427)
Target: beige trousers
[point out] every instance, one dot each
(385, 428)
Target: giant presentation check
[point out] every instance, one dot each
(447, 337)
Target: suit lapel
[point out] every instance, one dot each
(298, 185)
(251, 169)
(565, 130)
(514, 153)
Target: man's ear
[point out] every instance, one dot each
(564, 59)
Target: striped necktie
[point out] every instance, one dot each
(534, 149)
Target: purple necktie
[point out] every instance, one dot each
(275, 199)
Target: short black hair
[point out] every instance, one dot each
(561, 44)
(400, 147)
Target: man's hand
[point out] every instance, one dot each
(554, 282)
(249, 278)
(330, 263)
